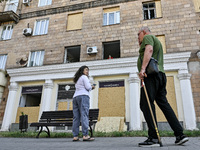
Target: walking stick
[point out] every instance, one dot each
(154, 122)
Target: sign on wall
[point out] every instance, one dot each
(31, 89)
(111, 84)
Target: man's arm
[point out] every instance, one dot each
(147, 55)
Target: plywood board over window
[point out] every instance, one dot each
(75, 21)
(112, 9)
(112, 99)
(158, 9)
(162, 40)
(197, 5)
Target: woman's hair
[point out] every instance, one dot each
(79, 73)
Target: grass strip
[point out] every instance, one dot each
(18, 134)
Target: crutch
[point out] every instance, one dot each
(154, 122)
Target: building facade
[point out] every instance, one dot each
(44, 42)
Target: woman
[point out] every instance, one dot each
(81, 101)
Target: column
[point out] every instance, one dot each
(46, 98)
(187, 98)
(135, 118)
(10, 107)
(91, 93)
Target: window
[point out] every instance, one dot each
(161, 38)
(44, 2)
(41, 27)
(11, 5)
(36, 58)
(7, 32)
(111, 16)
(3, 59)
(111, 50)
(152, 10)
(72, 54)
(197, 5)
(30, 96)
(74, 21)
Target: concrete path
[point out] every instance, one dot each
(113, 143)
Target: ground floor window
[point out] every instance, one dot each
(64, 100)
(31, 96)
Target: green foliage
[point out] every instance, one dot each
(96, 134)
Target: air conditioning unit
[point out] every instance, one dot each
(92, 50)
(26, 2)
(27, 31)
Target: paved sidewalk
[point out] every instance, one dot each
(113, 143)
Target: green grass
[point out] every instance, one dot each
(96, 134)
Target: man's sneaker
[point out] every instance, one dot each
(150, 143)
(181, 139)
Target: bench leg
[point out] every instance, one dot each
(48, 132)
(39, 132)
(91, 131)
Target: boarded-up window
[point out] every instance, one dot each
(75, 21)
(162, 40)
(111, 99)
(197, 5)
(158, 9)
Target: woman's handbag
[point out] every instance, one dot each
(152, 67)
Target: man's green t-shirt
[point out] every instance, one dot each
(153, 41)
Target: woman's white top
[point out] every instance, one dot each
(83, 86)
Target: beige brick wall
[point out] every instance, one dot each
(180, 28)
(4, 101)
(194, 68)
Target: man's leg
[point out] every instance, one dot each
(162, 102)
(150, 83)
(151, 87)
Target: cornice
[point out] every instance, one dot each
(173, 61)
(74, 7)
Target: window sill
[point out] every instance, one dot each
(152, 19)
(44, 5)
(110, 25)
(40, 35)
(5, 40)
(73, 30)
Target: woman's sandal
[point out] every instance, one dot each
(88, 138)
(76, 139)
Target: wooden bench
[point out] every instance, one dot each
(62, 118)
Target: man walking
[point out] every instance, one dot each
(150, 46)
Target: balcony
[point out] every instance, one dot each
(9, 13)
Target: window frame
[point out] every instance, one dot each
(3, 63)
(149, 9)
(46, 3)
(6, 30)
(46, 27)
(66, 52)
(34, 58)
(108, 18)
